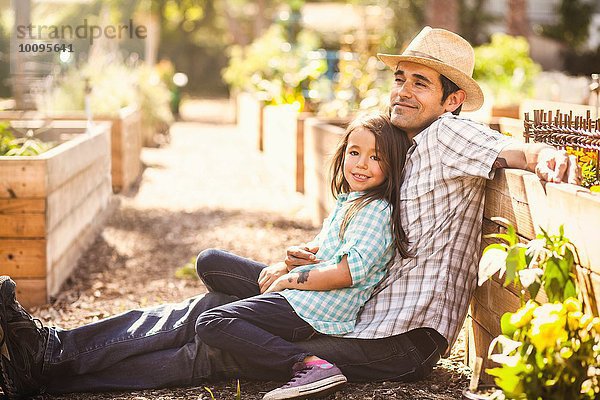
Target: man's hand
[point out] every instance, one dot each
(300, 255)
(557, 166)
(269, 274)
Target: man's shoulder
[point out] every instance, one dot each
(457, 121)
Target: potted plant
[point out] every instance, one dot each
(547, 350)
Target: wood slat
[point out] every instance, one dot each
(31, 292)
(76, 155)
(68, 230)
(22, 225)
(22, 206)
(23, 258)
(69, 196)
(66, 263)
(22, 177)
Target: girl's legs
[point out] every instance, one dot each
(260, 328)
(228, 273)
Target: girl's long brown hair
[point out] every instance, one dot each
(391, 144)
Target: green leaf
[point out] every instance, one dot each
(515, 261)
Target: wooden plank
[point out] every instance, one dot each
(22, 177)
(131, 132)
(486, 317)
(68, 230)
(22, 225)
(479, 344)
(506, 197)
(67, 261)
(31, 292)
(589, 284)
(76, 155)
(579, 212)
(279, 141)
(76, 190)
(22, 206)
(23, 258)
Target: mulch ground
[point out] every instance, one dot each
(207, 188)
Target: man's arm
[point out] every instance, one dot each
(328, 277)
(548, 163)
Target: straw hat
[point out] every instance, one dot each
(448, 54)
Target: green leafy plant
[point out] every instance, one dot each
(363, 83)
(25, 146)
(547, 351)
(272, 66)
(187, 271)
(505, 68)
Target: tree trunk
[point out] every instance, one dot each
(442, 14)
(517, 21)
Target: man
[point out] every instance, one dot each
(415, 313)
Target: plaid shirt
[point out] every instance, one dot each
(443, 199)
(368, 244)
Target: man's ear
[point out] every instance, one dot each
(454, 100)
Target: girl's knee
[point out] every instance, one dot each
(207, 259)
(207, 327)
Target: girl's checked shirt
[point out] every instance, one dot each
(368, 244)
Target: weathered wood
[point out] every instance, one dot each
(250, 118)
(23, 258)
(57, 229)
(22, 225)
(22, 177)
(67, 231)
(530, 205)
(64, 265)
(66, 198)
(31, 292)
(75, 155)
(22, 206)
(321, 138)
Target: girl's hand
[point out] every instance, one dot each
(300, 255)
(269, 274)
(278, 285)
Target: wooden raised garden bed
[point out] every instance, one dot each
(52, 206)
(283, 142)
(249, 114)
(125, 138)
(529, 204)
(321, 138)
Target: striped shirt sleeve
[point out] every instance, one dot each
(467, 148)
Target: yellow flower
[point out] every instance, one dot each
(572, 304)
(566, 352)
(548, 326)
(523, 314)
(574, 320)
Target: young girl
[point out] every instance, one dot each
(357, 241)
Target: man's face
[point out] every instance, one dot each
(416, 98)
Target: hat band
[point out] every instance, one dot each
(419, 54)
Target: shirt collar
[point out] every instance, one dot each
(419, 136)
(350, 196)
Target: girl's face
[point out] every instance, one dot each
(361, 163)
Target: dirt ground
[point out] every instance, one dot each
(207, 188)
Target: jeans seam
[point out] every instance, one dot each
(229, 275)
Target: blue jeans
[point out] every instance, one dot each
(260, 328)
(158, 347)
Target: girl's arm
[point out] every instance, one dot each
(328, 277)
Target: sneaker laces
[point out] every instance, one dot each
(298, 374)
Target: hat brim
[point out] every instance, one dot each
(474, 94)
